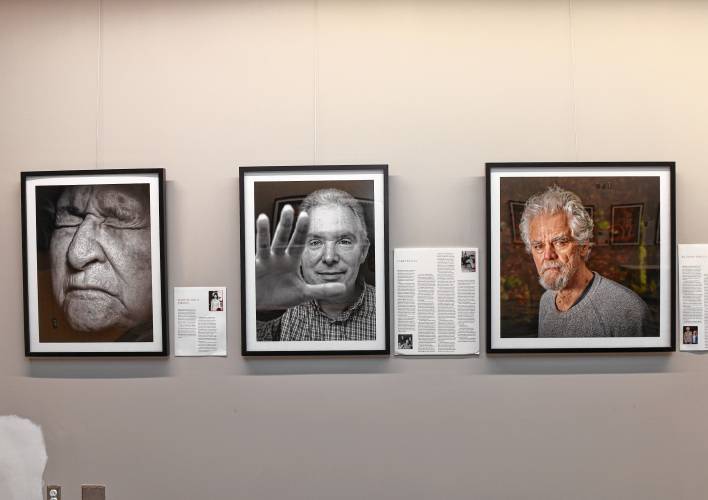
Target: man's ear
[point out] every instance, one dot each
(364, 251)
(585, 250)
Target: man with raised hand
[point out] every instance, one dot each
(315, 273)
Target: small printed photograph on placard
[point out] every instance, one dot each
(690, 334)
(468, 261)
(405, 341)
(216, 300)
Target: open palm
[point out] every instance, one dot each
(279, 283)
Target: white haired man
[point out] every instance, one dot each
(315, 272)
(578, 302)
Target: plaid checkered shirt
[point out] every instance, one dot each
(308, 322)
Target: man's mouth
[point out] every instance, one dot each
(87, 292)
(331, 275)
(86, 289)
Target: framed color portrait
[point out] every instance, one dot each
(581, 257)
(94, 266)
(314, 281)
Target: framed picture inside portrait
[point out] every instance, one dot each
(594, 269)
(516, 208)
(294, 202)
(316, 280)
(94, 263)
(626, 224)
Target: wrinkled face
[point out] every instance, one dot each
(100, 252)
(556, 254)
(336, 246)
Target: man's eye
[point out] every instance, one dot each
(65, 219)
(314, 243)
(123, 224)
(562, 243)
(345, 242)
(537, 247)
(121, 216)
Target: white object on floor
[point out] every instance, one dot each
(23, 457)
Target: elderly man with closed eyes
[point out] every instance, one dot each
(101, 261)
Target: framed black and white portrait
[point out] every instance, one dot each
(587, 263)
(94, 263)
(314, 281)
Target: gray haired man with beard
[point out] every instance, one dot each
(578, 302)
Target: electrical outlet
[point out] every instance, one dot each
(53, 492)
(93, 492)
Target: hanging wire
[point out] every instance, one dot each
(315, 79)
(571, 48)
(99, 81)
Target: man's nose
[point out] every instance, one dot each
(329, 254)
(549, 252)
(84, 247)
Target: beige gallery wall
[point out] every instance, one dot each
(435, 90)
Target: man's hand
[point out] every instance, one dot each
(279, 284)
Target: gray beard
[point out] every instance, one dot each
(566, 272)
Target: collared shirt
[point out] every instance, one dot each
(308, 322)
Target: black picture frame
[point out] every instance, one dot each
(94, 240)
(513, 293)
(262, 191)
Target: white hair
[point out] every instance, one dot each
(558, 200)
(336, 197)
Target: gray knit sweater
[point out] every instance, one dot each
(608, 309)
